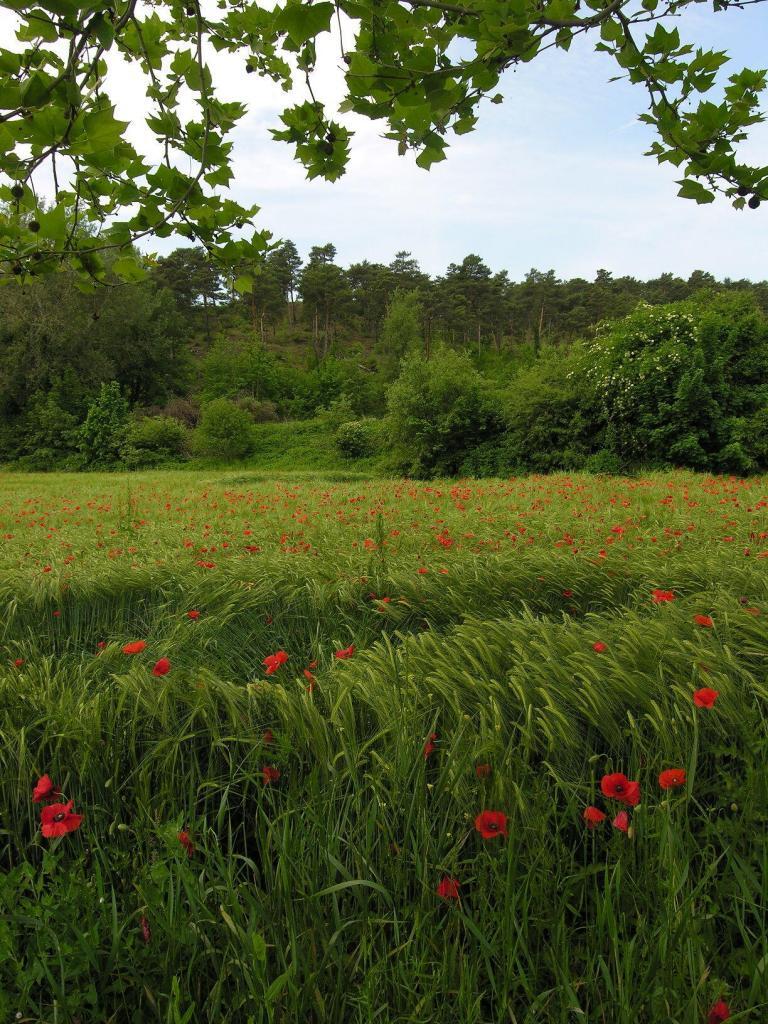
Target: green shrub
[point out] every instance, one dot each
(225, 431)
(678, 384)
(337, 412)
(153, 440)
(260, 411)
(102, 436)
(439, 410)
(359, 439)
(50, 433)
(549, 421)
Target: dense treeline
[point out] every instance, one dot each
(187, 360)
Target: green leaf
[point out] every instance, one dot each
(102, 130)
(430, 155)
(303, 22)
(690, 189)
(243, 284)
(611, 31)
(36, 90)
(128, 269)
(102, 28)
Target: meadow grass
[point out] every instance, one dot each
(473, 609)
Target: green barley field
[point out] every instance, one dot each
(343, 776)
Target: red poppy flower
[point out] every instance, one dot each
(448, 888)
(270, 774)
(491, 824)
(618, 787)
(101, 645)
(482, 771)
(135, 647)
(58, 819)
(718, 1013)
(429, 746)
(344, 653)
(186, 842)
(593, 816)
(272, 662)
(672, 778)
(599, 646)
(162, 667)
(422, 571)
(57, 614)
(194, 614)
(660, 596)
(146, 932)
(45, 790)
(621, 821)
(18, 662)
(268, 736)
(703, 620)
(705, 697)
(567, 593)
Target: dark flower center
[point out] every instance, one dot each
(619, 787)
(60, 816)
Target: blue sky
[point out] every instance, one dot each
(552, 178)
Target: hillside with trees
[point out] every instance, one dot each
(187, 363)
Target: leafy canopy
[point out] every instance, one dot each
(421, 66)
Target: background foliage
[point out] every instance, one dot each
(466, 372)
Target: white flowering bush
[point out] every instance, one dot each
(682, 384)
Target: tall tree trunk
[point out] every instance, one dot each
(207, 319)
(316, 336)
(327, 332)
(538, 333)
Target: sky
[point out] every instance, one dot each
(553, 178)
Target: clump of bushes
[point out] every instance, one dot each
(684, 384)
(359, 439)
(225, 431)
(260, 411)
(153, 440)
(103, 434)
(679, 385)
(439, 411)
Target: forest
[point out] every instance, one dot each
(192, 362)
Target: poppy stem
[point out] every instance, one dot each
(691, 777)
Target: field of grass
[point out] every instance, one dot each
(302, 843)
